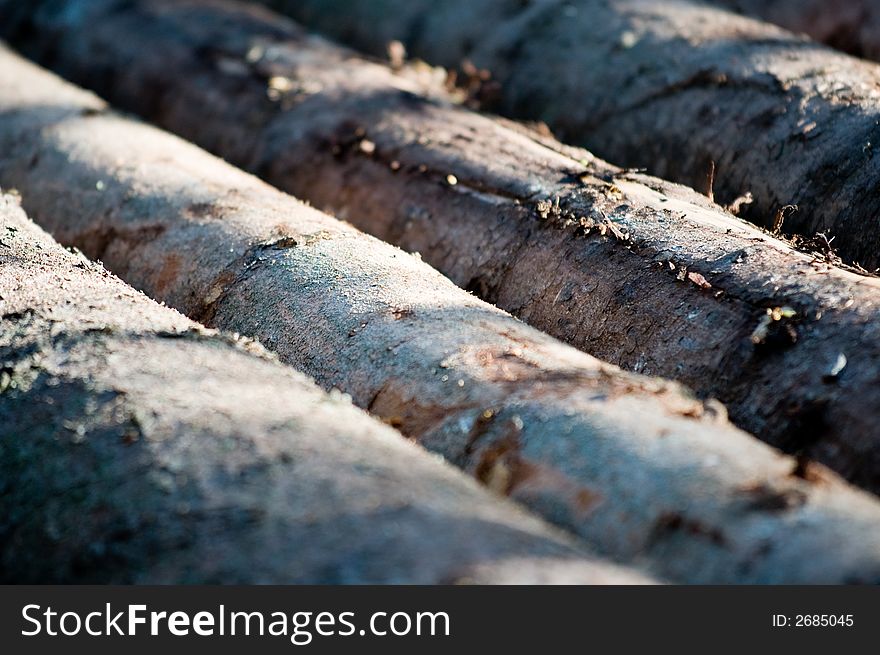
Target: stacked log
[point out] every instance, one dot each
(635, 467)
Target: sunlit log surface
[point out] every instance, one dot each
(136, 446)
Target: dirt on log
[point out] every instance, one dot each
(693, 93)
(637, 272)
(852, 26)
(136, 446)
(635, 466)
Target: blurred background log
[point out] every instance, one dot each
(852, 26)
(686, 90)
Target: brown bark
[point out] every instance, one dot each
(136, 446)
(680, 88)
(633, 465)
(852, 26)
(635, 271)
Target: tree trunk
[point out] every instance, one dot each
(634, 271)
(852, 26)
(633, 465)
(139, 447)
(689, 91)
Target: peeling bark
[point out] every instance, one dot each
(136, 446)
(852, 26)
(635, 466)
(637, 272)
(680, 88)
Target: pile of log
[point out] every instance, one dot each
(197, 455)
(632, 270)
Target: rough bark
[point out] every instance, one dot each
(633, 465)
(852, 26)
(634, 271)
(685, 90)
(136, 446)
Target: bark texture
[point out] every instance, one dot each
(136, 446)
(633, 465)
(686, 90)
(852, 26)
(637, 272)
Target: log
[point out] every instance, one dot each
(632, 270)
(138, 446)
(693, 93)
(852, 26)
(636, 467)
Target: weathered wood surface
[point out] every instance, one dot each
(636, 467)
(136, 446)
(687, 90)
(637, 272)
